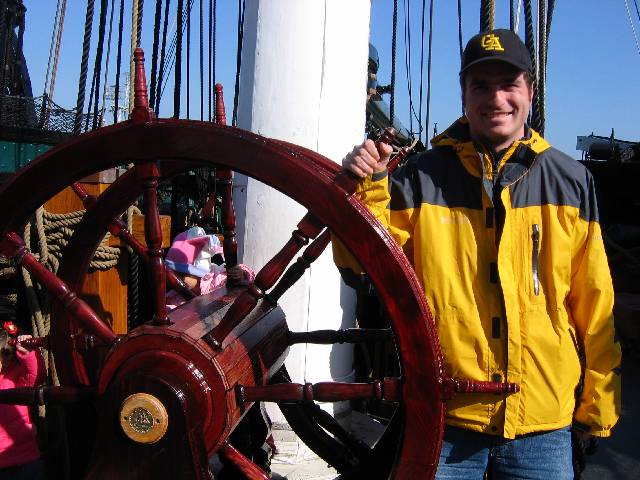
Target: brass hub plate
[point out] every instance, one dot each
(143, 418)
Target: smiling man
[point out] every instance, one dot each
(502, 230)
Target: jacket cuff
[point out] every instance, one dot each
(377, 176)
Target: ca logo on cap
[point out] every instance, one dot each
(491, 41)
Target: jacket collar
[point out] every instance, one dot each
(475, 158)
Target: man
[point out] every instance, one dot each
(502, 230)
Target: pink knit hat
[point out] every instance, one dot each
(191, 252)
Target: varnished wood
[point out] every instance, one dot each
(248, 468)
(137, 230)
(149, 174)
(104, 290)
(295, 271)
(141, 111)
(224, 178)
(386, 389)
(274, 163)
(453, 386)
(12, 246)
(308, 228)
(46, 395)
(119, 230)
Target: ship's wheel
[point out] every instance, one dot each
(161, 399)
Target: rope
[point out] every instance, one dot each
(210, 85)
(213, 48)
(104, 4)
(162, 55)
(154, 55)
(529, 42)
(420, 126)
(132, 47)
(516, 25)
(542, 64)
(188, 58)
(393, 62)
(426, 125)
(116, 99)
(201, 63)
(178, 64)
(106, 69)
(633, 29)
(139, 23)
(407, 65)
(52, 45)
(56, 56)
(86, 43)
(171, 53)
(238, 61)
(487, 15)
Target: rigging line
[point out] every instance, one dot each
(116, 96)
(106, 69)
(213, 68)
(460, 40)
(188, 59)
(86, 43)
(56, 55)
(241, 5)
(154, 55)
(209, 86)
(407, 61)
(165, 24)
(511, 15)
(420, 126)
(51, 46)
(171, 56)
(178, 61)
(637, 11)
(426, 124)
(104, 5)
(516, 24)
(172, 47)
(132, 47)
(393, 62)
(201, 63)
(542, 63)
(633, 29)
(139, 18)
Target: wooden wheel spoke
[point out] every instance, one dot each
(13, 246)
(46, 395)
(148, 175)
(331, 425)
(308, 227)
(250, 470)
(387, 389)
(119, 229)
(295, 271)
(350, 335)
(453, 386)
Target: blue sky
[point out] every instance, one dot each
(592, 79)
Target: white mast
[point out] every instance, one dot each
(303, 80)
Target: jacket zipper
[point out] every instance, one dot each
(535, 236)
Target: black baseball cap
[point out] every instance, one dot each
(500, 44)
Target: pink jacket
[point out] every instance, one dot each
(17, 432)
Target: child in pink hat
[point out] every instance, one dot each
(191, 255)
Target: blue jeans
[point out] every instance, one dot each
(466, 455)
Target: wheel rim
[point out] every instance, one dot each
(307, 178)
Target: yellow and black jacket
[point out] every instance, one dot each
(514, 268)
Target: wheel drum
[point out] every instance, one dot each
(303, 175)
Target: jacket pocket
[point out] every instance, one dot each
(535, 252)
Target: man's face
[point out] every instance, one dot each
(497, 97)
